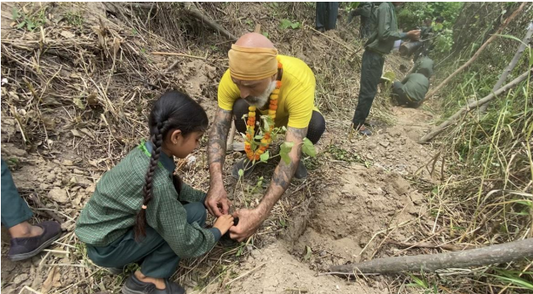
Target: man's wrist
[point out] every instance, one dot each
(263, 211)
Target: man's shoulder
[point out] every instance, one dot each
(296, 68)
(291, 61)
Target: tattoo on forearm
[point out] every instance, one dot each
(216, 148)
(284, 172)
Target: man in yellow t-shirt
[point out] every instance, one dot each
(252, 77)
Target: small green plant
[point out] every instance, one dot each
(285, 24)
(74, 19)
(343, 155)
(29, 22)
(424, 284)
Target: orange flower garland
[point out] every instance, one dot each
(250, 125)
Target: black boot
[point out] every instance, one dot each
(134, 286)
(246, 165)
(301, 171)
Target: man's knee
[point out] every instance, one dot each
(316, 128)
(196, 213)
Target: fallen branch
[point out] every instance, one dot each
(454, 118)
(494, 254)
(336, 41)
(478, 52)
(245, 274)
(33, 197)
(195, 12)
(178, 54)
(449, 247)
(512, 64)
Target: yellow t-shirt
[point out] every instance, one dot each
(296, 96)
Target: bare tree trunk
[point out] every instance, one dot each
(511, 65)
(199, 15)
(478, 52)
(454, 118)
(494, 254)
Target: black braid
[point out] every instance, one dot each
(157, 140)
(174, 110)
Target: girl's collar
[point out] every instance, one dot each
(165, 161)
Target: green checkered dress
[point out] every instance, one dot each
(118, 197)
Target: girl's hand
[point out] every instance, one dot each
(223, 223)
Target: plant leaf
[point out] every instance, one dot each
(308, 148)
(264, 157)
(286, 147)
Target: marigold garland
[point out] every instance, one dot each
(250, 125)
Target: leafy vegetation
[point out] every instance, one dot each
(29, 22)
(486, 191)
(414, 14)
(285, 24)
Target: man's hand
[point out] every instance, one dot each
(249, 221)
(413, 35)
(217, 201)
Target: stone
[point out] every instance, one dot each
(58, 195)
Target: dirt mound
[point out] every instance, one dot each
(273, 270)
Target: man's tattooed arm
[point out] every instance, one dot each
(216, 147)
(283, 173)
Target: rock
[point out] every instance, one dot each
(58, 195)
(67, 162)
(44, 186)
(11, 150)
(20, 279)
(90, 189)
(384, 143)
(67, 34)
(77, 171)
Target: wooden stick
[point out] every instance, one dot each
(245, 274)
(333, 40)
(178, 54)
(478, 52)
(33, 197)
(512, 64)
(201, 16)
(494, 254)
(449, 247)
(454, 118)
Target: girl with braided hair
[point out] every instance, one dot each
(141, 213)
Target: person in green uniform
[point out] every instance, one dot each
(326, 15)
(142, 213)
(365, 11)
(26, 240)
(412, 91)
(378, 45)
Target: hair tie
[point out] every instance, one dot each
(144, 207)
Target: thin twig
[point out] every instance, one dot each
(245, 274)
(178, 54)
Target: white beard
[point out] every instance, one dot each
(261, 100)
